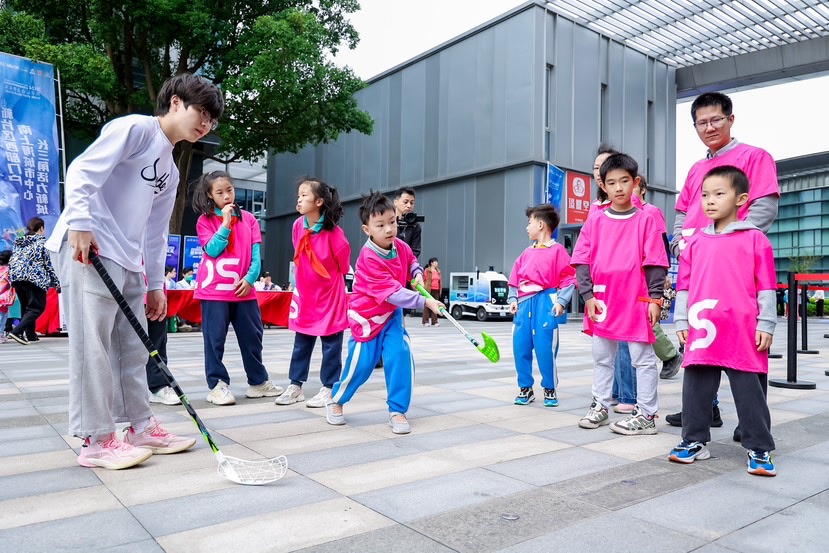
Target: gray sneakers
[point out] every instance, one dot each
(399, 424)
(337, 419)
(597, 416)
(671, 366)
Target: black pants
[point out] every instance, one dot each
(819, 308)
(699, 388)
(32, 305)
(158, 336)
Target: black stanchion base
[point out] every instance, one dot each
(826, 373)
(775, 356)
(826, 335)
(809, 351)
(798, 385)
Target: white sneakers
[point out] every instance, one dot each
(320, 399)
(220, 395)
(165, 395)
(293, 394)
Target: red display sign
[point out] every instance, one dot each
(578, 197)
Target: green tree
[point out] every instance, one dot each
(272, 58)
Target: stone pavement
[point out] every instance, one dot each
(476, 474)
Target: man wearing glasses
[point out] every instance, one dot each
(713, 119)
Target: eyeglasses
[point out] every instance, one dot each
(206, 119)
(715, 122)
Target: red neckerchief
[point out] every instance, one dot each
(304, 246)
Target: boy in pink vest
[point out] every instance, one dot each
(375, 315)
(621, 267)
(726, 313)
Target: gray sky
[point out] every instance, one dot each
(788, 119)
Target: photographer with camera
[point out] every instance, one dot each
(408, 222)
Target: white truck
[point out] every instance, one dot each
(479, 294)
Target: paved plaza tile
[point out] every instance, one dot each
(476, 474)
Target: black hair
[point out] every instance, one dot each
(192, 90)
(5, 257)
(643, 183)
(734, 175)
(202, 203)
(430, 260)
(187, 270)
(604, 148)
(619, 161)
(34, 225)
(168, 268)
(332, 208)
(712, 99)
(374, 204)
(545, 213)
(266, 274)
(405, 190)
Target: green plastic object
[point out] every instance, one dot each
(489, 348)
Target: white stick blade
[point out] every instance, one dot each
(253, 473)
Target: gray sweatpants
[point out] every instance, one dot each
(642, 358)
(107, 379)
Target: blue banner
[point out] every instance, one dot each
(192, 253)
(173, 251)
(555, 186)
(29, 157)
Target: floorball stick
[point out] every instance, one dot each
(237, 470)
(489, 348)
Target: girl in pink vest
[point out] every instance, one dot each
(319, 306)
(230, 265)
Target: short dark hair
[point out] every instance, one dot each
(712, 99)
(734, 175)
(545, 213)
(374, 204)
(191, 89)
(5, 257)
(405, 190)
(187, 270)
(168, 268)
(619, 161)
(266, 274)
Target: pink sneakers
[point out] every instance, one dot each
(157, 440)
(112, 454)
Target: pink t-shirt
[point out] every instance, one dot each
(617, 249)
(538, 269)
(757, 164)
(217, 277)
(657, 215)
(375, 280)
(723, 273)
(319, 305)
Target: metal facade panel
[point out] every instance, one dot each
(489, 220)
(413, 124)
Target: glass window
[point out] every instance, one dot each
(810, 222)
(812, 208)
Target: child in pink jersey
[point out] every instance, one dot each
(726, 314)
(663, 347)
(230, 265)
(319, 303)
(375, 315)
(540, 286)
(621, 267)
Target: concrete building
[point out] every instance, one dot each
(472, 124)
(801, 232)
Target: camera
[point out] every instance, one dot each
(411, 218)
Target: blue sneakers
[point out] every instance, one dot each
(550, 397)
(525, 396)
(688, 452)
(761, 464)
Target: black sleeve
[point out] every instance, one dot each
(667, 246)
(415, 240)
